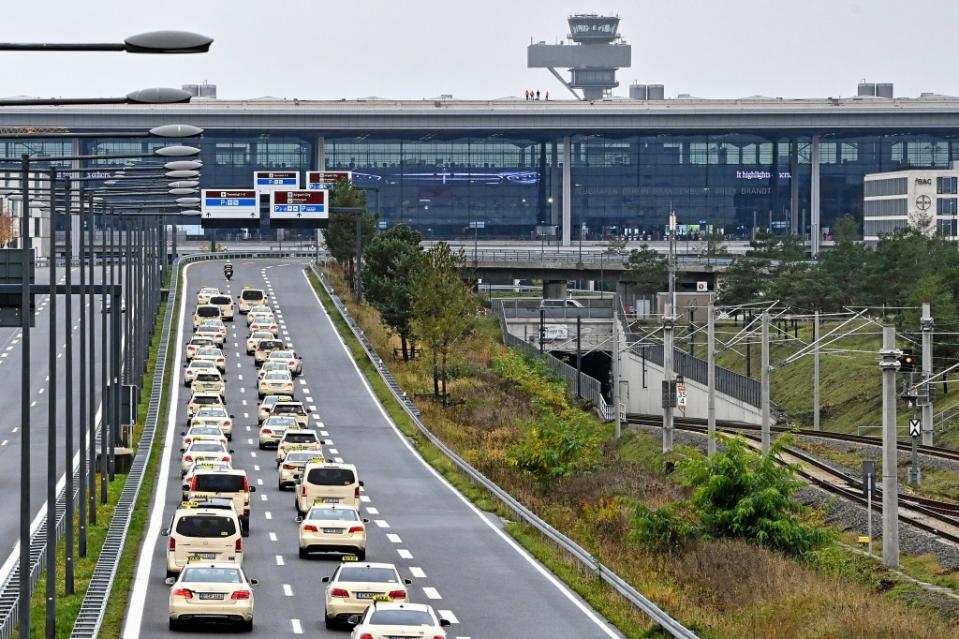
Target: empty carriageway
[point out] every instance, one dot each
(458, 558)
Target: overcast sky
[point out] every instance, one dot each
(423, 48)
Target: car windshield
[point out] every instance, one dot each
(332, 514)
(195, 574)
(205, 430)
(368, 574)
(219, 483)
(295, 437)
(205, 526)
(401, 618)
(207, 447)
(252, 296)
(207, 311)
(331, 477)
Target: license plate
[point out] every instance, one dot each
(331, 500)
(332, 531)
(366, 595)
(210, 596)
(202, 555)
(400, 637)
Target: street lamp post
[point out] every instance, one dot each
(51, 557)
(25, 315)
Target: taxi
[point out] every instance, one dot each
(200, 400)
(251, 297)
(332, 528)
(211, 354)
(203, 532)
(218, 324)
(200, 466)
(225, 483)
(209, 381)
(258, 310)
(266, 405)
(292, 466)
(284, 406)
(254, 339)
(196, 342)
(214, 416)
(205, 312)
(273, 428)
(264, 347)
(327, 483)
(205, 433)
(211, 332)
(211, 592)
(202, 452)
(194, 367)
(385, 619)
(271, 366)
(288, 357)
(298, 439)
(205, 293)
(225, 302)
(353, 586)
(264, 324)
(276, 383)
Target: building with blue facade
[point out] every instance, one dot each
(587, 169)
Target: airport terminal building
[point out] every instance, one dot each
(588, 169)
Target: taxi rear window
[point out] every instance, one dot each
(220, 300)
(211, 575)
(286, 409)
(401, 618)
(331, 477)
(252, 296)
(207, 377)
(267, 344)
(332, 514)
(206, 400)
(215, 483)
(365, 573)
(207, 311)
(209, 526)
(293, 437)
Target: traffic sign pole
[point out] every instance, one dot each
(915, 429)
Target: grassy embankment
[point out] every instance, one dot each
(719, 588)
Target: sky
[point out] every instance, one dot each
(411, 49)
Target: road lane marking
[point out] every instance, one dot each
(287, 590)
(268, 514)
(256, 467)
(431, 592)
(272, 536)
(417, 572)
(297, 628)
(279, 560)
(333, 451)
(259, 482)
(394, 538)
(372, 511)
(381, 523)
(263, 497)
(448, 615)
(404, 553)
(364, 498)
(338, 460)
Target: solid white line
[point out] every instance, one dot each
(431, 592)
(417, 572)
(448, 615)
(287, 590)
(404, 553)
(502, 535)
(394, 538)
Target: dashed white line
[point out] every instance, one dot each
(4, 442)
(364, 499)
(448, 615)
(263, 497)
(256, 467)
(279, 560)
(249, 441)
(243, 402)
(33, 403)
(252, 453)
(404, 553)
(338, 460)
(417, 572)
(287, 590)
(373, 511)
(268, 514)
(309, 400)
(239, 377)
(325, 433)
(259, 482)
(272, 536)
(394, 538)
(381, 523)
(431, 592)
(41, 391)
(246, 416)
(333, 451)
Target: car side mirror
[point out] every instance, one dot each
(186, 488)
(298, 519)
(231, 451)
(165, 532)
(353, 620)
(362, 484)
(325, 580)
(444, 623)
(183, 450)
(252, 489)
(170, 581)
(366, 521)
(232, 416)
(182, 433)
(253, 582)
(408, 582)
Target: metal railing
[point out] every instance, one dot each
(529, 307)
(577, 552)
(614, 261)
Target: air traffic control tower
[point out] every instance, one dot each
(593, 58)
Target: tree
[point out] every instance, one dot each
(933, 289)
(647, 270)
(744, 281)
(713, 246)
(444, 308)
(341, 229)
(389, 261)
(846, 229)
(7, 229)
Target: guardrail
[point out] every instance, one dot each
(577, 552)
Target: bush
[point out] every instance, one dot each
(665, 529)
(532, 378)
(556, 445)
(739, 493)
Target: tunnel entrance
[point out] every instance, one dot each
(596, 364)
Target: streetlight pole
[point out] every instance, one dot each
(82, 389)
(68, 580)
(26, 315)
(51, 557)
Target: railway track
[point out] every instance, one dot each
(940, 518)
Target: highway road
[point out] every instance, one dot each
(460, 560)
(10, 427)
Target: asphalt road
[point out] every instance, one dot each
(10, 426)
(459, 559)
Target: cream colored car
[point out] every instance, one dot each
(260, 310)
(276, 383)
(199, 452)
(271, 366)
(204, 433)
(196, 342)
(225, 302)
(205, 312)
(331, 528)
(214, 416)
(208, 382)
(327, 483)
(200, 533)
(251, 297)
(194, 367)
(231, 484)
(284, 406)
(264, 324)
(351, 589)
(263, 349)
(201, 400)
(288, 357)
(218, 324)
(203, 297)
(298, 439)
(197, 466)
(384, 619)
(211, 591)
(266, 405)
(272, 430)
(292, 466)
(254, 339)
(211, 354)
(211, 332)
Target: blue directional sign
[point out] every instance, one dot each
(224, 204)
(269, 181)
(299, 206)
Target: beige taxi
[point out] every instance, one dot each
(391, 619)
(332, 528)
(225, 483)
(250, 297)
(205, 433)
(354, 585)
(201, 400)
(209, 382)
(205, 293)
(196, 342)
(263, 349)
(255, 338)
(260, 310)
(298, 439)
(203, 532)
(211, 354)
(272, 429)
(327, 483)
(276, 383)
(284, 406)
(201, 451)
(292, 466)
(288, 357)
(191, 369)
(211, 331)
(211, 592)
(205, 312)
(214, 416)
(225, 302)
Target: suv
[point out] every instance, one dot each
(229, 484)
(327, 483)
(205, 312)
(567, 302)
(284, 407)
(225, 302)
(251, 297)
(263, 349)
(202, 532)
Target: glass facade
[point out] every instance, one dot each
(621, 184)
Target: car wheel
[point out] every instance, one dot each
(304, 554)
(247, 626)
(360, 555)
(170, 573)
(174, 624)
(329, 622)
(262, 447)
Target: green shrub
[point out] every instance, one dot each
(740, 493)
(556, 445)
(532, 379)
(665, 529)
